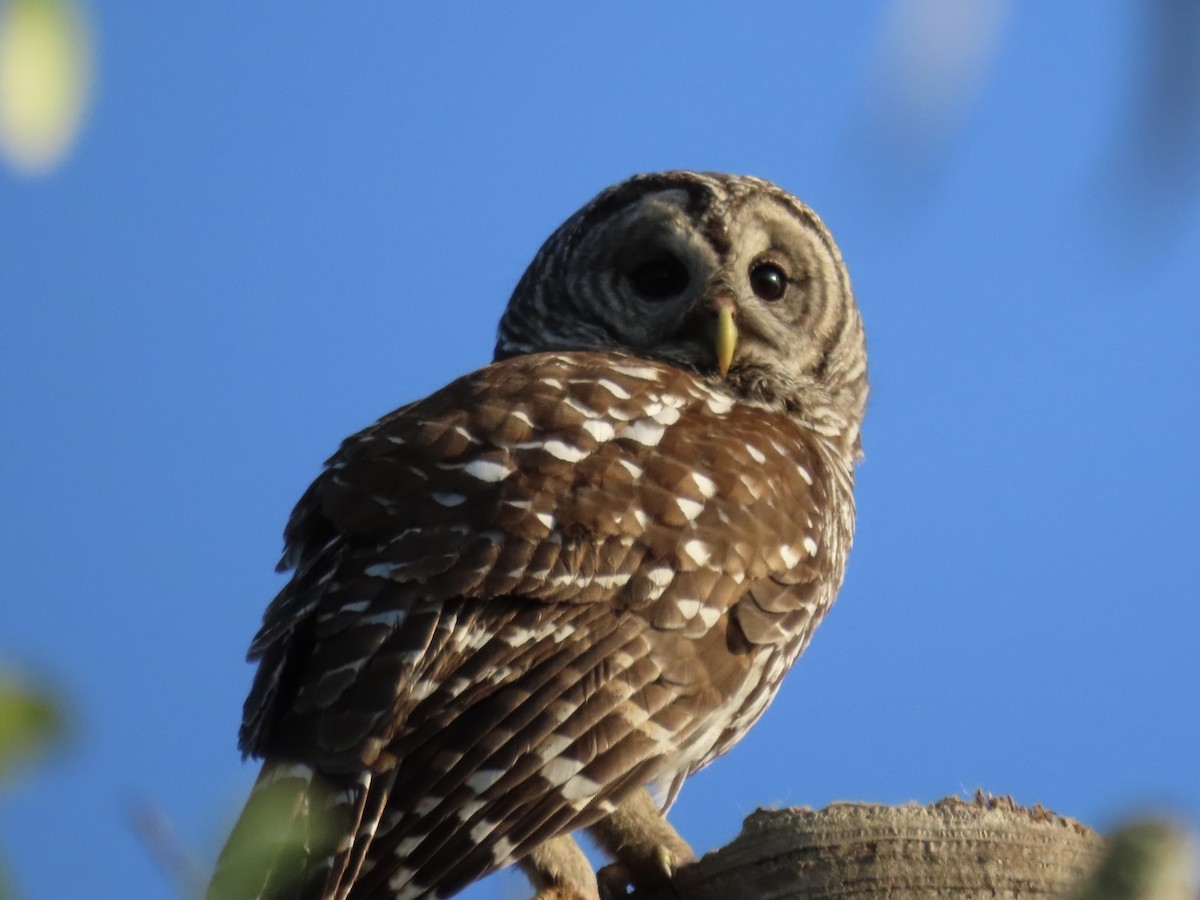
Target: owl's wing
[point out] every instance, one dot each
(525, 596)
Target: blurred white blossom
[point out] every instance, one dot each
(931, 62)
(45, 76)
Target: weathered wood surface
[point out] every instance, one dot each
(986, 848)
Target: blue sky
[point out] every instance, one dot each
(279, 223)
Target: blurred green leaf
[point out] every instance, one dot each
(31, 722)
(283, 825)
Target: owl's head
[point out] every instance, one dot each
(727, 276)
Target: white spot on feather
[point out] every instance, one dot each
(564, 451)
(698, 551)
(401, 879)
(448, 499)
(643, 373)
(659, 734)
(689, 508)
(718, 404)
(668, 415)
(631, 467)
(751, 484)
(407, 846)
(579, 407)
(516, 636)
(552, 746)
(560, 769)
(579, 788)
(375, 570)
(660, 578)
(487, 470)
(804, 473)
(615, 389)
(811, 546)
(426, 805)
(755, 454)
(482, 830)
(608, 582)
(464, 433)
(688, 606)
(706, 485)
(390, 617)
(599, 429)
(502, 850)
(790, 556)
(483, 779)
(660, 575)
(643, 431)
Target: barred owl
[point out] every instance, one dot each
(540, 598)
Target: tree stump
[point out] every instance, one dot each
(989, 848)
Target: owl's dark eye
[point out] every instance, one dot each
(660, 278)
(769, 281)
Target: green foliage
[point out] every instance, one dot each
(283, 825)
(31, 725)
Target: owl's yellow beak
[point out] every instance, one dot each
(727, 336)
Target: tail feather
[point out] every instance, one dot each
(373, 793)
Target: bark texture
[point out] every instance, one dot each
(986, 848)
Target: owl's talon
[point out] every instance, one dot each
(665, 861)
